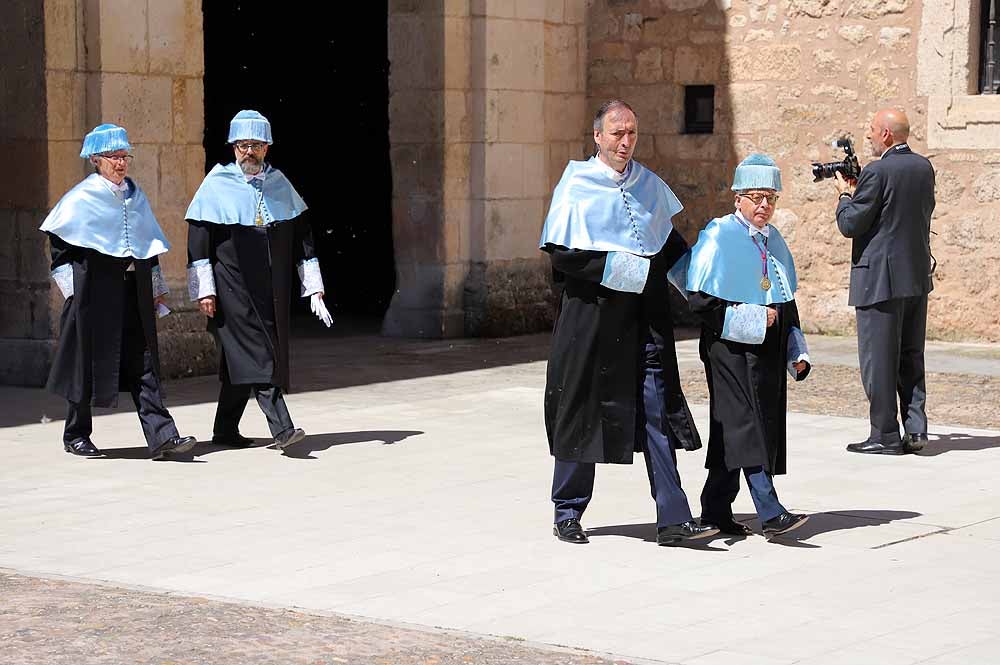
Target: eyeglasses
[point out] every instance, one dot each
(760, 197)
(244, 146)
(118, 159)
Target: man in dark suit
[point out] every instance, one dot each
(887, 214)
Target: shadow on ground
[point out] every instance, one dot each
(958, 441)
(817, 524)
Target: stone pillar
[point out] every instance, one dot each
(136, 63)
(486, 100)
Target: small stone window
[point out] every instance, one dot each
(989, 61)
(699, 109)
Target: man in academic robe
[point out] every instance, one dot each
(612, 384)
(246, 230)
(105, 245)
(741, 283)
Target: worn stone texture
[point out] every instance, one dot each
(791, 76)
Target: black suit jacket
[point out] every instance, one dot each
(889, 219)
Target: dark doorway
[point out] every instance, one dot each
(319, 73)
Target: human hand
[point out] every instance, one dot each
(772, 316)
(800, 366)
(207, 305)
(843, 185)
(318, 308)
(158, 300)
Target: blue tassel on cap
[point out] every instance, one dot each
(250, 126)
(757, 172)
(105, 138)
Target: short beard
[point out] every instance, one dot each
(250, 168)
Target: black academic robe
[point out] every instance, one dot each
(747, 386)
(253, 268)
(86, 367)
(593, 388)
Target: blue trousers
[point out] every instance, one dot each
(573, 482)
(722, 486)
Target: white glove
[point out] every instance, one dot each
(319, 309)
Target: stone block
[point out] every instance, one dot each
(415, 116)
(554, 11)
(534, 160)
(60, 34)
(811, 8)
(855, 34)
(665, 31)
(565, 117)
(417, 50)
(194, 168)
(173, 33)
(188, 111)
(123, 41)
(575, 12)
(9, 245)
(501, 8)
(561, 58)
(967, 122)
(141, 104)
(145, 170)
(894, 38)
(697, 65)
(879, 84)
(456, 52)
(504, 170)
(603, 72)
(405, 169)
(65, 169)
(65, 95)
(632, 27)
(416, 228)
(455, 170)
(531, 10)
(34, 259)
(948, 186)
(656, 107)
(458, 230)
(649, 65)
(459, 122)
(762, 63)
(514, 54)
(518, 116)
(25, 362)
(745, 108)
(431, 165)
(512, 228)
(173, 178)
(986, 187)
(558, 157)
(875, 9)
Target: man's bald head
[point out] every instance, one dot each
(889, 127)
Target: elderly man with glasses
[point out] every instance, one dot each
(105, 260)
(740, 281)
(245, 232)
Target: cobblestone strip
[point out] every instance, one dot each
(55, 622)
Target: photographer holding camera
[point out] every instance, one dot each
(887, 214)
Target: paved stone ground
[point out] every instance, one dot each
(347, 549)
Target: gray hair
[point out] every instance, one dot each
(607, 107)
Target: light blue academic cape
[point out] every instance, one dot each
(726, 264)
(590, 211)
(225, 197)
(91, 216)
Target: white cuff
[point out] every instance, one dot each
(159, 284)
(746, 324)
(63, 277)
(625, 272)
(311, 278)
(201, 280)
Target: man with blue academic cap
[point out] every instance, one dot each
(741, 283)
(105, 247)
(612, 385)
(245, 232)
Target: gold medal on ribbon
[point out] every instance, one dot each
(765, 283)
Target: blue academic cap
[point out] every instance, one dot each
(250, 126)
(105, 138)
(757, 172)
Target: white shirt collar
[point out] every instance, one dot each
(615, 175)
(259, 175)
(751, 229)
(123, 187)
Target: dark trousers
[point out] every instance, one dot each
(891, 353)
(233, 400)
(722, 486)
(573, 482)
(137, 375)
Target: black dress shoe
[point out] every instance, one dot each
(176, 445)
(82, 447)
(914, 443)
(288, 437)
(728, 526)
(677, 534)
(877, 448)
(783, 523)
(235, 441)
(570, 531)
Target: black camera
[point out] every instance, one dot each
(850, 168)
